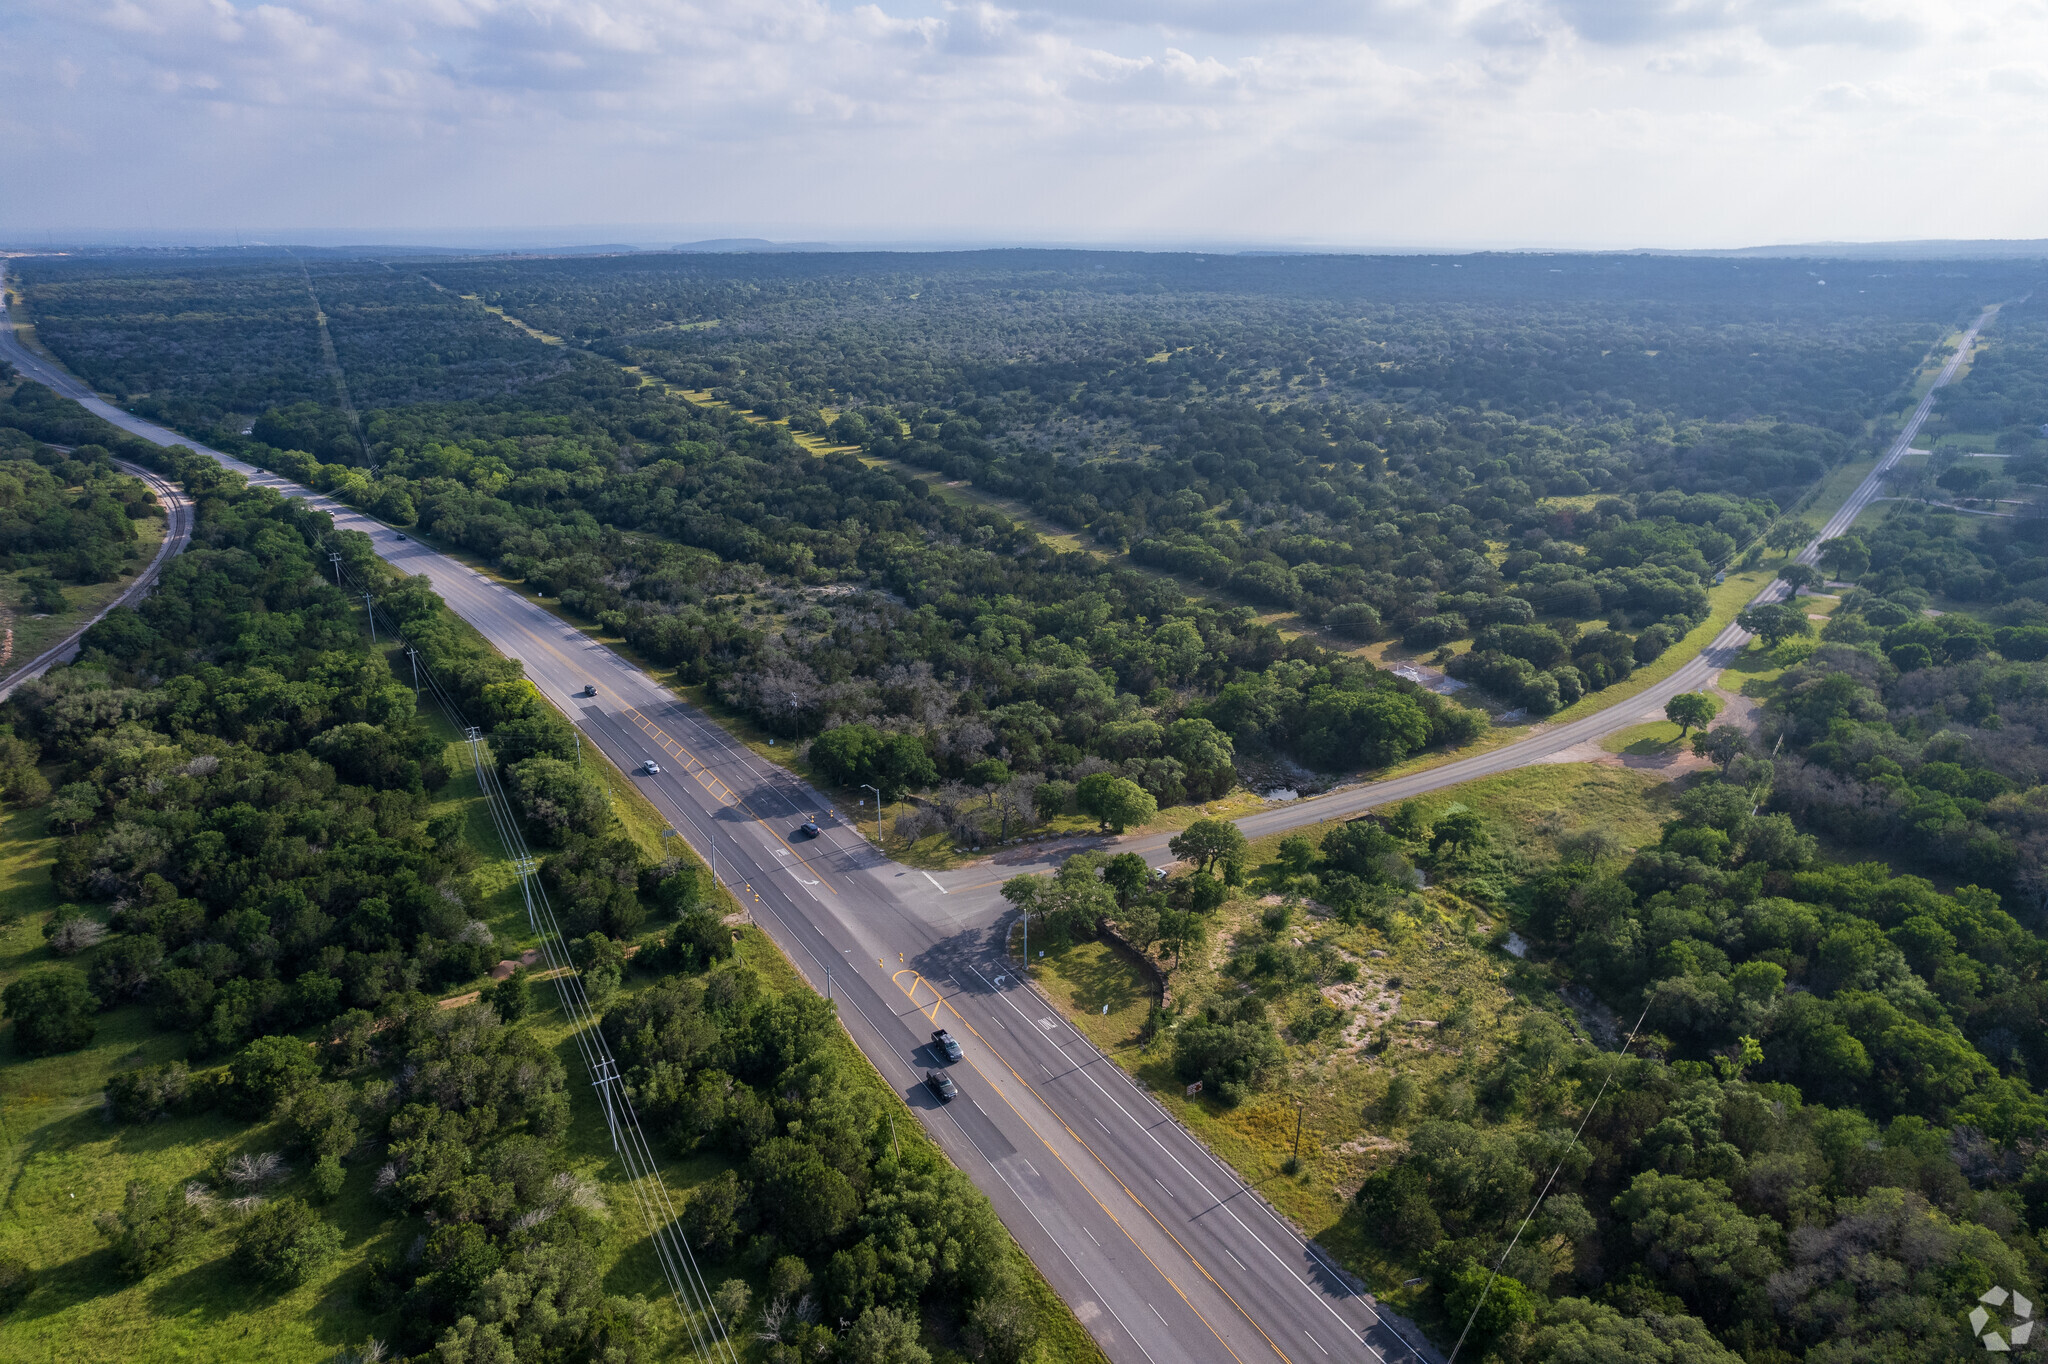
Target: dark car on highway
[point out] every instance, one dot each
(808, 829)
(941, 1085)
(944, 1046)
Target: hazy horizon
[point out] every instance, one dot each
(1387, 125)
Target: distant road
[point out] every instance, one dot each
(177, 531)
(1165, 1253)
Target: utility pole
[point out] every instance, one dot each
(334, 557)
(414, 655)
(828, 978)
(370, 610)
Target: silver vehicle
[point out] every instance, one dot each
(650, 767)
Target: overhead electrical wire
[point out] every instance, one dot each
(686, 1282)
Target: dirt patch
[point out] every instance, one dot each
(1668, 766)
(1370, 1006)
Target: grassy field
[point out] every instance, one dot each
(1436, 990)
(63, 1163)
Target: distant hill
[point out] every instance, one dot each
(744, 245)
(1932, 249)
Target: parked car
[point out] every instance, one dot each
(941, 1085)
(944, 1045)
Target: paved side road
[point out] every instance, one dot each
(1165, 1254)
(1164, 1251)
(178, 531)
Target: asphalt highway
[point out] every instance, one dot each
(1163, 1251)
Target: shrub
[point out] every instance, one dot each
(52, 1011)
(285, 1241)
(153, 1092)
(268, 1072)
(148, 1228)
(328, 1177)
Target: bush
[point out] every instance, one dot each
(153, 1092)
(269, 1071)
(1229, 1051)
(328, 1177)
(285, 1241)
(147, 1230)
(1354, 621)
(1002, 1328)
(1431, 631)
(52, 1011)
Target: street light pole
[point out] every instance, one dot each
(878, 811)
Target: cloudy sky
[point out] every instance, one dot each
(1336, 122)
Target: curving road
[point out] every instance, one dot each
(177, 532)
(1164, 1252)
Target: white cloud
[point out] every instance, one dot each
(1566, 121)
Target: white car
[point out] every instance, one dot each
(650, 767)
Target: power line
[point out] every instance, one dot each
(679, 1268)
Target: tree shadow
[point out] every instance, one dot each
(1096, 979)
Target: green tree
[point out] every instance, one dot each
(883, 1336)
(1845, 557)
(1576, 1331)
(1229, 1053)
(1207, 841)
(284, 1242)
(1798, 576)
(558, 798)
(1397, 1210)
(1722, 744)
(1459, 829)
(268, 1072)
(52, 1011)
(1128, 876)
(1116, 801)
(1297, 854)
(1788, 533)
(845, 754)
(1775, 622)
(1693, 1235)
(1689, 710)
(328, 1177)
(903, 763)
(1487, 1307)
(1002, 1328)
(148, 1229)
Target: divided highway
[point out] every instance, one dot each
(1165, 1254)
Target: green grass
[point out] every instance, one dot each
(62, 1163)
(1440, 951)
(1657, 739)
